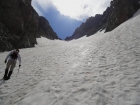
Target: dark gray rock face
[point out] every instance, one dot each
(20, 24)
(118, 12)
(45, 29)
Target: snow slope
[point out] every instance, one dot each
(103, 69)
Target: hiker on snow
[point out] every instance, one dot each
(11, 63)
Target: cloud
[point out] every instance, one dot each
(76, 9)
(41, 5)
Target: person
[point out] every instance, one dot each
(11, 60)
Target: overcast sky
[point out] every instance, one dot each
(65, 16)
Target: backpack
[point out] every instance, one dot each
(14, 55)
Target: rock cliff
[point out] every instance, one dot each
(118, 12)
(45, 30)
(20, 25)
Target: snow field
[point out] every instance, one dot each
(103, 69)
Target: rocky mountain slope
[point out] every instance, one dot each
(20, 25)
(118, 12)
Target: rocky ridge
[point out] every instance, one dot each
(118, 12)
(20, 25)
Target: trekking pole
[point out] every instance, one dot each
(18, 71)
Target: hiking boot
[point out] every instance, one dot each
(5, 75)
(9, 75)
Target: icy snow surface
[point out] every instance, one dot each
(103, 69)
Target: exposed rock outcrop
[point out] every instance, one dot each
(20, 24)
(118, 12)
(44, 29)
